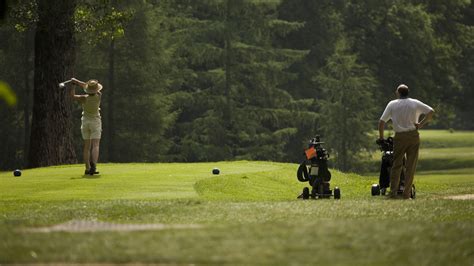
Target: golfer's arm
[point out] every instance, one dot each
(381, 128)
(428, 117)
(72, 94)
(78, 82)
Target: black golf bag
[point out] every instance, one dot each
(386, 147)
(314, 170)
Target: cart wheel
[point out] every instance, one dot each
(337, 193)
(375, 190)
(413, 191)
(305, 193)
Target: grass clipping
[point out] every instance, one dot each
(80, 226)
(461, 197)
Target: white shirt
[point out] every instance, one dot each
(404, 113)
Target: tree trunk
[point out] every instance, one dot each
(345, 133)
(110, 103)
(27, 100)
(51, 140)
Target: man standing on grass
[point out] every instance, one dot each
(404, 113)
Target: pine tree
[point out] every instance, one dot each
(348, 106)
(234, 105)
(124, 45)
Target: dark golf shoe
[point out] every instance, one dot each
(93, 170)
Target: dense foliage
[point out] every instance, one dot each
(208, 80)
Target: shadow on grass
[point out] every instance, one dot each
(87, 177)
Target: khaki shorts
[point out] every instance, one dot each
(91, 128)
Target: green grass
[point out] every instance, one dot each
(446, 139)
(249, 215)
(440, 149)
(437, 138)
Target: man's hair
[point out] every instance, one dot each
(403, 90)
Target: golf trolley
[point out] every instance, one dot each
(314, 170)
(386, 146)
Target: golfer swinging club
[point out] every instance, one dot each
(404, 113)
(91, 126)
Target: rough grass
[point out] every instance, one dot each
(249, 215)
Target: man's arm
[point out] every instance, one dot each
(381, 128)
(386, 116)
(425, 120)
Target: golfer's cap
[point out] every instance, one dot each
(93, 86)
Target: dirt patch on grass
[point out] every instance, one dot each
(461, 197)
(79, 226)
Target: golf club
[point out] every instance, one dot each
(63, 84)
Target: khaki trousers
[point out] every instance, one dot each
(404, 143)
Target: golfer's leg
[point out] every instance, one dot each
(398, 153)
(85, 131)
(412, 159)
(96, 132)
(86, 153)
(95, 150)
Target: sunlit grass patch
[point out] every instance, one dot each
(446, 138)
(248, 214)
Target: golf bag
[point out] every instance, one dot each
(386, 147)
(314, 170)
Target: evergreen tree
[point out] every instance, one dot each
(207, 80)
(348, 106)
(323, 25)
(127, 52)
(453, 23)
(234, 106)
(398, 41)
(101, 25)
(16, 68)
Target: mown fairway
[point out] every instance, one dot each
(247, 214)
